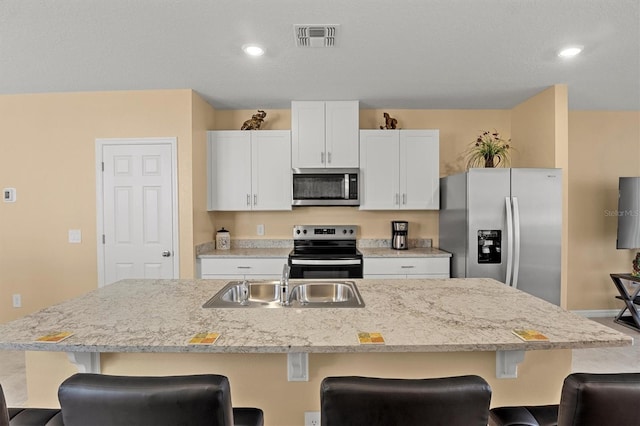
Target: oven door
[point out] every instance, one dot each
(325, 268)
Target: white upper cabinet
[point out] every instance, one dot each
(400, 169)
(249, 170)
(325, 134)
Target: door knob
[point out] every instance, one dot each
(166, 253)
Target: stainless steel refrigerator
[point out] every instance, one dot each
(505, 224)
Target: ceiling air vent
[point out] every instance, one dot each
(315, 35)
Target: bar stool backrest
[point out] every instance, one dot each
(600, 399)
(103, 400)
(368, 401)
(4, 412)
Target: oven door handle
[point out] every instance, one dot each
(325, 262)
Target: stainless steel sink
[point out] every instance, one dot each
(302, 294)
(260, 294)
(325, 294)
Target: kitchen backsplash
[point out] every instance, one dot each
(288, 243)
(386, 242)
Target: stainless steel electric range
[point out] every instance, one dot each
(321, 251)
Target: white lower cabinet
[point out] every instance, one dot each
(241, 268)
(406, 267)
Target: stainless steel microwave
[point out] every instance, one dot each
(326, 187)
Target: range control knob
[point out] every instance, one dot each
(351, 231)
(344, 231)
(304, 231)
(297, 231)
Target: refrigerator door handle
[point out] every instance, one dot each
(507, 280)
(516, 241)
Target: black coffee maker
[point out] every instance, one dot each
(399, 231)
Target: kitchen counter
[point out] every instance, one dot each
(277, 358)
(280, 252)
(411, 252)
(247, 252)
(476, 314)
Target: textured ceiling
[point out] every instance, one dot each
(389, 54)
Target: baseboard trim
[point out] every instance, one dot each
(597, 313)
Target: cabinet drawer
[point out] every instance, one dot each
(242, 266)
(407, 266)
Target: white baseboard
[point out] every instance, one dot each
(597, 313)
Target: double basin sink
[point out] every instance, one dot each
(299, 294)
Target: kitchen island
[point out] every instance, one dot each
(431, 328)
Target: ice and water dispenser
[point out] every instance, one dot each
(489, 250)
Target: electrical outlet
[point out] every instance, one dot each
(17, 301)
(260, 229)
(312, 418)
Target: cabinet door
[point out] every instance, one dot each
(241, 267)
(271, 169)
(379, 171)
(419, 169)
(308, 134)
(406, 267)
(342, 133)
(229, 170)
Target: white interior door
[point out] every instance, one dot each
(138, 209)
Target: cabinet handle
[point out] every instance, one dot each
(244, 267)
(397, 198)
(328, 157)
(407, 266)
(322, 157)
(255, 199)
(248, 199)
(404, 198)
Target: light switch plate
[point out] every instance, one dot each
(9, 195)
(75, 236)
(260, 229)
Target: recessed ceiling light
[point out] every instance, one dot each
(253, 50)
(570, 52)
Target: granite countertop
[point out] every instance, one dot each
(284, 252)
(411, 252)
(476, 314)
(282, 248)
(246, 252)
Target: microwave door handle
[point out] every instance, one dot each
(346, 186)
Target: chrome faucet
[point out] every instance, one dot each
(244, 293)
(284, 284)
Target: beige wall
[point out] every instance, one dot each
(203, 120)
(534, 128)
(47, 144)
(603, 146)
